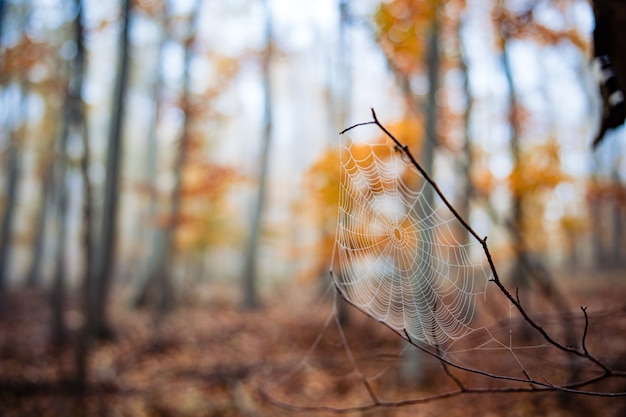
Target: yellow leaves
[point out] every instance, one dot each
(538, 168)
(572, 225)
(402, 28)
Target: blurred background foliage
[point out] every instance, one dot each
(497, 98)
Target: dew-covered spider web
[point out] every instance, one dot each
(405, 258)
(401, 258)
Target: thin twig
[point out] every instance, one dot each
(583, 342)
(356, 125)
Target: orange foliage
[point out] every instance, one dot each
(410, 132)
(204, 196)
(572, 225)
(525, 26)
(23, 57)
(322, 181)
(402, 26)
(539, 168)
(482, 180)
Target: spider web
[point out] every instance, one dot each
(400, 250)
(405, 259)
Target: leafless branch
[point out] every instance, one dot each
(525, 384)
(483, 242)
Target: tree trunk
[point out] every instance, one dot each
(343, 108)
(413, 369)
(165, 262)
(464, 207)
(33, 277)
(99, 280)
(105, 251)
(57, 297)
(519, 277)
(13, 159)
(2, 10)
(250, 292)
(73, 124)
(153, 234)
(12, 163)
(160, 262)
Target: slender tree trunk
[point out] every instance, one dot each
(13, 160)
(105, 255)
(464, 207)
(57, 297)
(165, 262)
(155, 236)
(33, 277)
(517, 204)
(12, 163)
(159, 268)
(343, 108)
(100, 272)
(413, 369)
(617, 221)
(73, 124)
(250, 292)
(2, 10)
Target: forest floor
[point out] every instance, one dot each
(210, 358)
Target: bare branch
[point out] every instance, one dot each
(483, 242)
(525, 384)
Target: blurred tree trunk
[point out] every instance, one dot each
(527, 265)
(250, 292)
(104, 259)
(164, 272)
(467, 189)
(33, 277)
(342, 109)
(2, 10)
(57, 297)
(73, 125)
(519, 278)
(343, 78)
(12, 163)
(413, 370)
(12, 160)
(615, 218)
(99, 280)
(153, 237)
(160, 271)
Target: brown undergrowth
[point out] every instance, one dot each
(210, 358)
